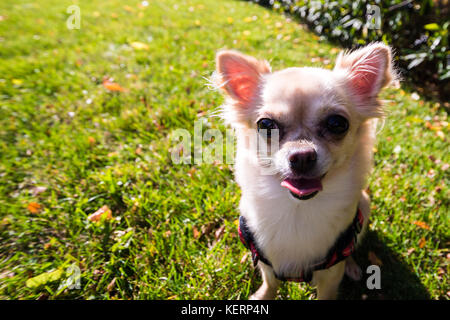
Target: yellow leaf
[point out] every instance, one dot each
(128, 8)
(230, 20)
(50, 244)
(17, 82)
(246, 33)
(44, 278)
(139, 45)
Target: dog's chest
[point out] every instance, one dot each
(294, 238)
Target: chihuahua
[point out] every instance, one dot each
(303, 205)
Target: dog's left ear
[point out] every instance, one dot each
(367, 71)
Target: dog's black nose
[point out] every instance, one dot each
(303, 160)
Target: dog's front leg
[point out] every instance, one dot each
(327, 281)
(268, 289)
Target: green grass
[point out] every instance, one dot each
(60, 129)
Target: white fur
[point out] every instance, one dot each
(295, 234)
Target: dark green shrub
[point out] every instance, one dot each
(418, 31)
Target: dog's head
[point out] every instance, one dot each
(315, 114)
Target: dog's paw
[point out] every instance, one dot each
(254, 297)
(352, 270)
(261, 296)
(264, 293)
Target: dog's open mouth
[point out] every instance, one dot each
(303, 189)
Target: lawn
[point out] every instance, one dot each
(87, 118)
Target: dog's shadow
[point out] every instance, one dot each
(398, 280)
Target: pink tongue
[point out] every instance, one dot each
(302, 187)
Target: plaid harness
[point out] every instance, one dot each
(342, 248)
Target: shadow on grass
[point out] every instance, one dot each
(398, 280)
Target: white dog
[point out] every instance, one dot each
(303, 220)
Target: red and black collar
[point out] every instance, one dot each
(342, 248)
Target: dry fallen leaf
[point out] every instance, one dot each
(138, 151)
(192, 171)
(91, 140)
(197, 233)
(104, 211)
(51, 243)
(206, 229)
(38, 190)
(245, 257)
(112, 86)
(219, 232)
(167, 233)
(111, 285)
(422, 224)
(34, 207)
(422, 242)
(374, 259)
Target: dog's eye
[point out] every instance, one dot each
(268, 125)
(336, 124)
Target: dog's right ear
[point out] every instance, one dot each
(240, 75)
